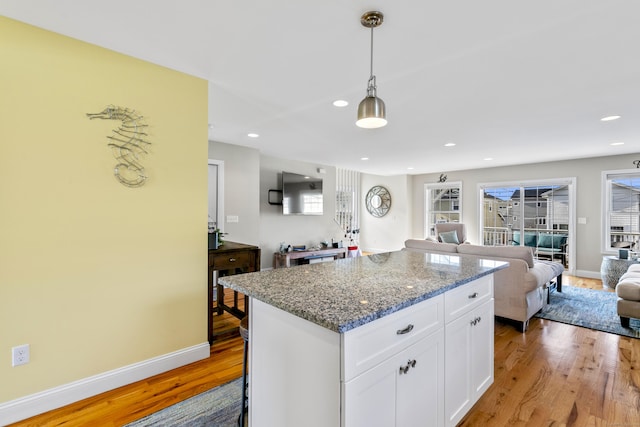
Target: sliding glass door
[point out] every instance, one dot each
(534, 214)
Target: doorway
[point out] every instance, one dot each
(216, 193)
(538, 214)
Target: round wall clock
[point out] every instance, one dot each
(378, 201)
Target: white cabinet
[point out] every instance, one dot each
(394, 369)
(468, 349)
(422, 366)
(405, 390)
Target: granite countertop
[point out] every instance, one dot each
(344, 294)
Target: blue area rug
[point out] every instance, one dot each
(588, 308)
(218, 407)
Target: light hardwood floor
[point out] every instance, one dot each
(552, 375)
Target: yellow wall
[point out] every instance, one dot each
(95, 275)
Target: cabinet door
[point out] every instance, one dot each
(469, 356)
(482, 350)
(458, 369)
(399, 392)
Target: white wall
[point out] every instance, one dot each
(307, 230)
(389, 232)
(241, 191)
(588, 198)
(249, 176)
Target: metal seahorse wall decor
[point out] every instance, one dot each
(127, 143)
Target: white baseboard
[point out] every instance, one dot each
(588, 274)
(34, 404)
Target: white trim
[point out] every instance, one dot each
(38, 403)
(605, 197)
(588, 274)
(569, 181)
(220, 191)
(427, 201)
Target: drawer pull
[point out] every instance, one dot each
(232, 260)
(410, 364)
(476, 321)
(406, 330)
(474, 295)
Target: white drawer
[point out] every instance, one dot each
(369, 344)
(465, 298)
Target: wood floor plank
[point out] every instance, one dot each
(553, 375)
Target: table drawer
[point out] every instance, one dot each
(374, 342)
(230, 260)
(465, 298)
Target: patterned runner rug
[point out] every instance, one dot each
(588, 308)
(218, 407)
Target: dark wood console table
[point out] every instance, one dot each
(230, 258)
(284, 259)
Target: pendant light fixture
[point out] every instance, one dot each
(371, 111)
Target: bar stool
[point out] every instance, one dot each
(244, 333)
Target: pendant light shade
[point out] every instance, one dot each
(372, 112)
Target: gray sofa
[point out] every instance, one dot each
(521, 290)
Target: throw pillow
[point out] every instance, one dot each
(449, 237)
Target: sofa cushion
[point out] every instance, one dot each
(529, 239)
(449, 237)
(428, 245)
(548, 240)
(628, 289)
(519, 252)
(633, 276)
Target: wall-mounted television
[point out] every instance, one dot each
(301, 194)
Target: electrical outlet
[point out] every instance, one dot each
(20, 355)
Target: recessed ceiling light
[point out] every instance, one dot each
(488, 158)
(253, 135)
(617, 143)
(410, 168)
(340, 103)
(450, 144)
(364, 158)
(609, 118)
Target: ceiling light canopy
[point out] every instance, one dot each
(371, 111)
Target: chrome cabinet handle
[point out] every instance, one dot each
(475, 321)
(410, 364)
(474, 295)
(406, 330)
(232, 260)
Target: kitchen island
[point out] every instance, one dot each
(370, 341)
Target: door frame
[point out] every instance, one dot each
(219, 192)
(570, 182)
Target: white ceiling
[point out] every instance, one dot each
(519, 82)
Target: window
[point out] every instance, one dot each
(443, 203)
(621, 209)
(312, 203)
(531, 213)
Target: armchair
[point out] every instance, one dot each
(447, 228)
